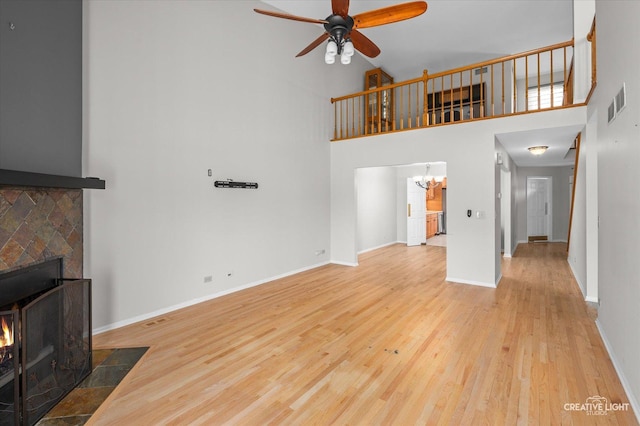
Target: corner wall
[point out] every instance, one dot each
(376, 189)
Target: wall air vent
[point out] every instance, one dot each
(621, 99)
(611, 111)
(482, 70)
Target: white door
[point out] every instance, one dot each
(416, 214)
(539, 208)
(505, 211)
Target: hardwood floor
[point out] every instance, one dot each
(387, 342)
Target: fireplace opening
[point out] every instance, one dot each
(6, 342)
(45, 339)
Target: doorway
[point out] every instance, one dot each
(539, 208)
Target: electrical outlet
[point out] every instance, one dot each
(208, 278)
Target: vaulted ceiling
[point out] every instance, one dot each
(451, 33)
(454, 33)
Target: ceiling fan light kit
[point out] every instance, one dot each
(341, 30)
(346, 51)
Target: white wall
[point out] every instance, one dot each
(618, 198)
(560, 201)
(583, 246)
(377, 194)
(175, 88)
(469, 151)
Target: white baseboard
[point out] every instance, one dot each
(498, 280)
(378, 247)
(623, 379)
(478, 283)
(195, 301)
(337, 262)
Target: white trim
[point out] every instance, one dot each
(379, 247)
(508, 256)
(592, 299)
(337, 262)
(625, 383)
(498, 280)
(478, 283)
(192, 302)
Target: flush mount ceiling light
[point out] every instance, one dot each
(538, 150)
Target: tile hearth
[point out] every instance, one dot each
(110, 366)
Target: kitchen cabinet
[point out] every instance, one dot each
(432, 224)
(434, 195)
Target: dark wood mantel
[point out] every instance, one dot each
(19, 178)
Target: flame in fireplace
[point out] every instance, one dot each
(6, 337)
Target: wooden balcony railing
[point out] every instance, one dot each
(531, 81)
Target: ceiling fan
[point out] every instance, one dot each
(342, 30)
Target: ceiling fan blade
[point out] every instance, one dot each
(340, 7)
(390, 14)
(292, 17)
(317, 42)
(363, 44)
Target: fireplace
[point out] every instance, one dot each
(45, 339)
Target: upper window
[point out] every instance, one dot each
(546, 98)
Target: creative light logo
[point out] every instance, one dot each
(596, 406)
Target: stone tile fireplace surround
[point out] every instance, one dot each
(39, 223)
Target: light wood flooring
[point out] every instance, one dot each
(388, 342)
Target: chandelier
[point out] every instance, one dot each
(427, 180)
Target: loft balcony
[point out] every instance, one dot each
(529, 82)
